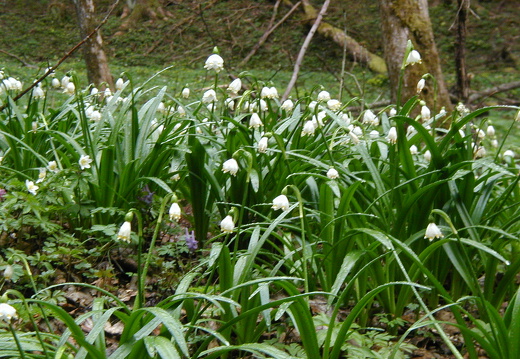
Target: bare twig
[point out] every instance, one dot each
(268, 33)
(19, 59)
(303, 49)
(66, 56)
(493, 91)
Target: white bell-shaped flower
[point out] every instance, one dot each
(432, 232)
(230, 166)
(281, 202)
(214, 62)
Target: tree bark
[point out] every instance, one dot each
(404, 20)
(95, 58)
(460, 51)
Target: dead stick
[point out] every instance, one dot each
(19, 59)
(303, 49)
(67, 55)
(493, 90)
(268, 33)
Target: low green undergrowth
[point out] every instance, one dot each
(262, 227)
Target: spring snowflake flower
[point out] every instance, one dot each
(94, 91)
(235, 86)
(70, 89)
(332, 173)
(428, 156)
(269, 92)
(8, 272)
(119, 84)
(370, 118)
(227, 225)
(262, 145)
(420, 85)
(392, 112)
(125, 232)
(308, 128)
(65, 81)
(281, 202)
(353, 137)
(55, 83)
(31, 187)
(84, 161)
(432, 232)
(508, 153)
(38, 93)
(324, 96)
(287, 105)
(95, 116)
(175, 212)
(481, 134)
(255, 121)
(358, 131)
(333, 105)
(392, 135)
(374, 134)
(490, 131)
(414, 57)
(413, 150)
(425, 113)
(214, 62)
(7, 312)
(230, 166)
(209, 96)
(185, 92)
(229, 103)
(480, 152)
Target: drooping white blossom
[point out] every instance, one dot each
(432, 232)
(214, 62)
(281, 202)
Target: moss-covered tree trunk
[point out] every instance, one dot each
(95, 57)
(404, 20)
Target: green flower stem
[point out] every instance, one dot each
(18, 345)
(31, 318)
(303, 238)
(33, 284)
(140, 278)
(148, 259)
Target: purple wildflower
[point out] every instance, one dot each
(3, 192)
(191, 242)
(147, 195)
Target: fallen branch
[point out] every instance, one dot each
(50, 70)
(356, 51)
(303, 49)
(493, 91)
(270, 30)
(19, 59)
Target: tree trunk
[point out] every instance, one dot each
(97, 65)
(409, 20)
(460, 51)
